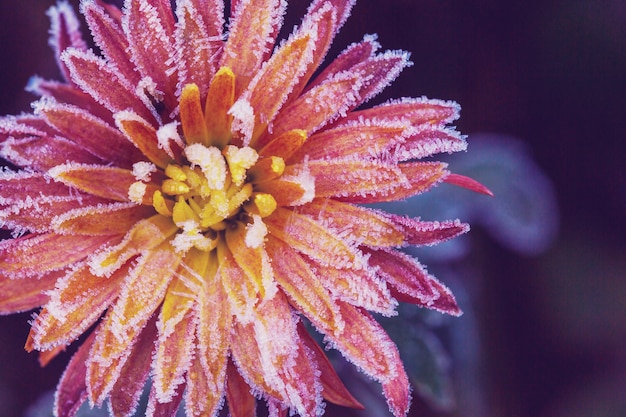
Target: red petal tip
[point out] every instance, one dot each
(469, 183)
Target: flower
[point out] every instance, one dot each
(192, 196)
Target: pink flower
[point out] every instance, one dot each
(191, 196)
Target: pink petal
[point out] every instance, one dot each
(158, 409)
(125, 395)
(149, 28)
(469, 183)
(38, 254)
(15, 186)
(108, 35)
(253, 28)
(429, 140)
(71, 392)
(64, 33)
(103, 82)
(17, 295)
(198, 41)
(333, 389)
(241, 403)
(43, 153)
(421, 233)
(91, 133)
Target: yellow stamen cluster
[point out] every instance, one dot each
(203, 196)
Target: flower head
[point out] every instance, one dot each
(191, 196)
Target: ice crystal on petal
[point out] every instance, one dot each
(191, 194)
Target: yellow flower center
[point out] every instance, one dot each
(215, 186)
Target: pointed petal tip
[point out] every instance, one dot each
(468, 183)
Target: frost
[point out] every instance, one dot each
(142, 170)
(210, 161)
(255, 232)
(137, 191)
(243, 120)
(167, 134)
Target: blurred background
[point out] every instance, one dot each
(541, 276)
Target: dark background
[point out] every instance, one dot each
(551, 73)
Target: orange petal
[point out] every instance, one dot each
(192, 117)
(252, 260)
(284, 145)
(242, 295)
(111, 219)
(287, 192)
(152, 273)
(220, 98)
(333, 389)
(302, 286)
(144, 136)
(38, 254)
(312, 239)
(270, 88)
(102, 181)
(253, 27)
(200, 399)
(144, 235)
(78, 300)
(361, 225)
(17, 295)
(129, 385)
(417, 111)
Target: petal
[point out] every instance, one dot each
(365, 343)
(77, 301)
(417, 111)
(198, 40)
(200, 400)
(302, 286)
(220, 98)
(429, 140)
(90, 132)
(242, 294)
(102, 181)
(312, 239)
(253, 29)
(42, 153)
(38, 254)
(71, 392)
(241, 403)
(141, 293)
(158, 409)
(469, 183)
(36, 214)
(252, 260)
(361, 288)
(333, 389)
(421, 177)
(144, 136)
(446, 303)
(110, 219)
(422, 233)
(17, 295)
(285, 145)
(103, 82)
(16, 186)
(108, 35)
(362, 139)
(359, 224)
(355, 178)
(130, 383)
(149, 28)
(64, 32)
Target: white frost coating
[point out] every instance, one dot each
(243, 120)
(303, 178)
(143, 170)
(189, 237)
(167, 134)
(63, 12)
(210, 161)
(149, 94)
(137, 191)
(239, 161)
(255, 232)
